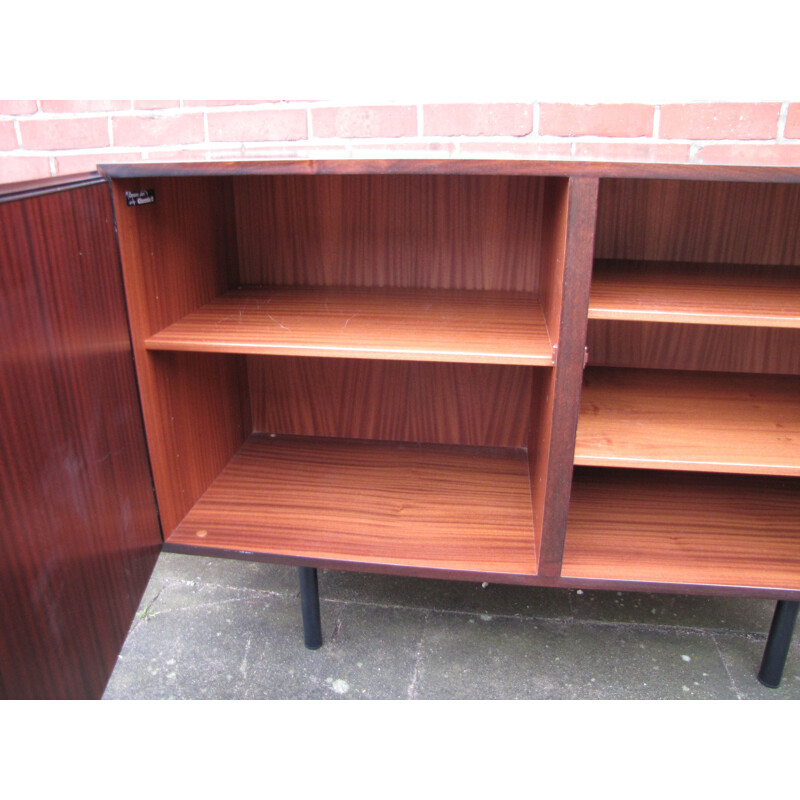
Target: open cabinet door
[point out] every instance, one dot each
(79, 534)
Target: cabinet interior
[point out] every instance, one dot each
(384, 370)
(693, 367)
(350, 368)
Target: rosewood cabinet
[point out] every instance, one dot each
(561, 374)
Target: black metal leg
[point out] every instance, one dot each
(309, 599)
(777, 647)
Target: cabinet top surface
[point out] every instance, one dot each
(469, 166)
(408, 166)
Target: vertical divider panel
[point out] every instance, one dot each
(178, 253)
(569, 224)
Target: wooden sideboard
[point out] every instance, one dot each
(562, 374)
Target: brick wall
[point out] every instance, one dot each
(43, 138)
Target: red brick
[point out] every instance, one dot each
(14, 107)
(190, 155)
(79, 106)
(8, 136)
(792, 130)
(146, 131)
(364, 121)
(154, 104)
(534, 150)
(87, 162)
(301, 151)
(633, 151)
(611, 119)
(23, 168)
(409, 148)
(474, 119)
(210, 103)
(64, 134)
(719, 121)
(258, 126)
(776, 155)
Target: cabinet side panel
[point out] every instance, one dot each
(475, 404)
(736, 223)
(554, 237)
(178, 253)
(407, 231)
(80, 532)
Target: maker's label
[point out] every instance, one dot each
(140, 198)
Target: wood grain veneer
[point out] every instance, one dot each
(677, 528)
(39, 186)
(555, 216)
(419, 324)
(461, 166)
(713, 348)
(401, 231)
(178, 254)
(377, 236)
(719, 294)
(475, 404)
(700, 221)
(571, 215)
(79, 534)
(690, 421)
(440, 508)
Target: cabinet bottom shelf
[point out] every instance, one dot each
(681, 528)
(425, 507)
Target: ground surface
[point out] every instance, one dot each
(214, 628)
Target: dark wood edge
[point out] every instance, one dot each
(578, 257)
(19, 191)
(462, 166)
(349, 566)
(549, 581)
(705, 589)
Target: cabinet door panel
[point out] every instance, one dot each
(79, 534)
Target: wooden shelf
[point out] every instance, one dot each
(726, 530)
(399, 324)
(424, 506)
(709, 294)
(708, 422)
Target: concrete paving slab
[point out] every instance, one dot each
(198, 641)
(501, 658)
(747, 615)
(218, 628)
(442, 595)
(226, 572)
(368, 653)
(183, 649)
(742, 658)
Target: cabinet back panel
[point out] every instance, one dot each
(475, 404)
(736, 223)
(408, 231)
(718, 348)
